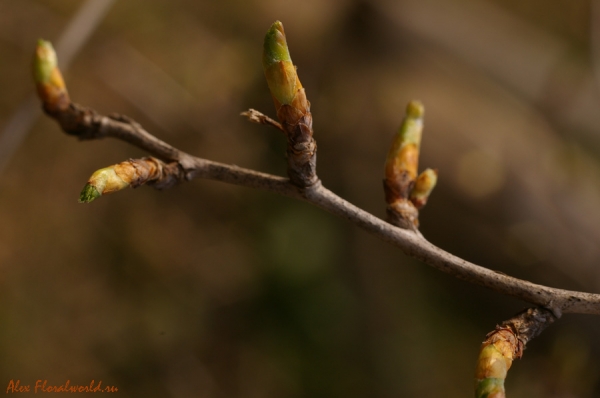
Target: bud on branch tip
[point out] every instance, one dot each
(279, 70)
(404, 153)
(103, 181)
(292, 106)
(405, 193)
(505, 344)
(48, 79)
(495, 359)
(44, 62)
(132, 172)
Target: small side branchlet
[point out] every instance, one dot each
(257, 117)
(405, 193)
(49, 82)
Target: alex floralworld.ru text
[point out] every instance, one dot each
(15, 386)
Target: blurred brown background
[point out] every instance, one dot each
(210, 290)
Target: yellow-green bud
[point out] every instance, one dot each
(49, 81)
(402, 160)
(415, 110)
(102, 182)
(132, 172)
(404, 153)
(44, 62)
(424, 184)
(279, 70)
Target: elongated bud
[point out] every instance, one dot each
(423, 186)
(102, 182)
(133, 172)
(495, 359)
(48, 79)
(403, 157)
(293, 108)
(505, 344)
(401, 168)
(279, 70)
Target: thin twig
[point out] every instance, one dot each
(255, 116)
(88, 124)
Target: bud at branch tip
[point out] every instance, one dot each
(48, 79)
(102, 182)
(405, 192)
(278, 67)
(44, 62)
(88, 194)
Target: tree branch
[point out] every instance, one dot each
(405, 191)
(88, 124)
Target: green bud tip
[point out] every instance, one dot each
(275, 46)
(44, 61)
(88, 194)
(280, 72)
(415, 109)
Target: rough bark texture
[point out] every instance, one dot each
(296, 121)
(527, 325)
